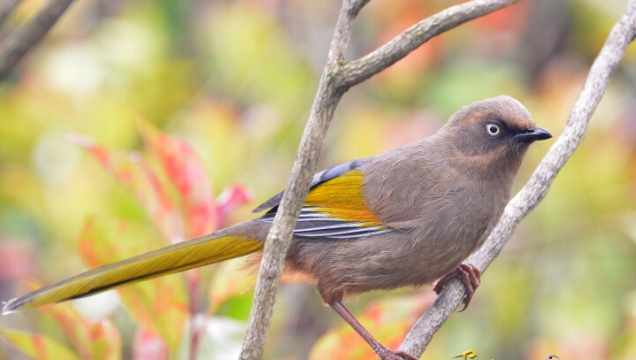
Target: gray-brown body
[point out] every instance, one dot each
(441, 196)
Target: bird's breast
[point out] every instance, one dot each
(439, 203)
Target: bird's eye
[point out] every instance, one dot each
(493, 130)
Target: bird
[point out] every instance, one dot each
(408, 217)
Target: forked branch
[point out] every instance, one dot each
(23, 39)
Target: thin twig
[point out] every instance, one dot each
(280, 234)
(537, 187)
(6, 8)
(360, 70)
(19, 43)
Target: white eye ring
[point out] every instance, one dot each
(493, 130)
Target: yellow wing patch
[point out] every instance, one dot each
(342, 197)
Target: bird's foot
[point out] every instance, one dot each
(388, 354)
(470, 276)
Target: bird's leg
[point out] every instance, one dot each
(383, 352)
(469, 275)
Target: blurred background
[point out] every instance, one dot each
(236, 80)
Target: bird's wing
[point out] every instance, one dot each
(335, 207)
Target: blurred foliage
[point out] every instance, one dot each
(235, 80)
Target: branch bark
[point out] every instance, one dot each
(19, 43)
(337, 77)
(280, 234)
(362, 69)
(6, 8)
(611, 54)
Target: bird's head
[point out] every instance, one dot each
(493, 132)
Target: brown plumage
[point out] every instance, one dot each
(442, 195)
(407, 217)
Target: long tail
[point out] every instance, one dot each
(182, 256)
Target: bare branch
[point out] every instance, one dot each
(537, 187)
(342, 34)
(19, 43)
(6, 7)
(280, 234)
(359, 70)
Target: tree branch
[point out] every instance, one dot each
(330, 90)
(6, 7)
(360, 70)
(537, 187)
(280, 234)
(19, 43)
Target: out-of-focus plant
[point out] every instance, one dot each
(392, 318)
(170, 182)
(235, 80)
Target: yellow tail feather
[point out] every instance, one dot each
(182, 256)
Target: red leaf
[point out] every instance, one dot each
(137, 177)
(186, 171)
(90, 340)
(232, 197)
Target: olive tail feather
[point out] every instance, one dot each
(182, 256)
(7, 306)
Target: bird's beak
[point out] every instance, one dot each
(533, 133)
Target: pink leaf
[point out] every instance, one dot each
(232, 197)
(137, 177)
(185, 169)
(148, 346)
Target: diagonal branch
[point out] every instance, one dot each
(6, 8)
(280, 234)
(330, 91)
(19, 43)
(360, 70)
(537, 187)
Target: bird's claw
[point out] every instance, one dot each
(469, 275)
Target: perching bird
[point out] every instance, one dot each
(407, 217)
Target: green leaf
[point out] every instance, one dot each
(105, 340)
(230, 281)
(39, 347)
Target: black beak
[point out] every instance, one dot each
(533, 133)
